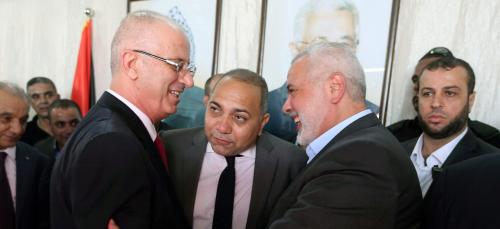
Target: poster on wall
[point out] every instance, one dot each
(289, 26)
(199, 21)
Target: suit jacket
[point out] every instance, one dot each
(32, 188)
(466, 196)
(110, 168)
(470, 146)
(48, 147)
(360, 179)
(276, 163)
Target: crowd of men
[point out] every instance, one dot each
(114, 169)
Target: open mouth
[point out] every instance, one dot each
(175, 93)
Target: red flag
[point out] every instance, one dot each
(83, 83)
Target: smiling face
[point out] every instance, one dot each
(444, 102)
(305, 102)
(159, 84)
(13, 117)
(41, 96)
(233, 118)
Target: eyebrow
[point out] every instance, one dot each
(235, 109)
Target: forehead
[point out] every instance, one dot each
(40, 88)
(172, 42)
(63, 113)
(238, 95)
(334, 26)
(444, 78)
(12, 104)
(297, 72)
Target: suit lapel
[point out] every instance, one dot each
(191, 167)
(465, 149)
(24, 172)
(264, 170)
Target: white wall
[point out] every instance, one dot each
(42, 38)
(471, 29)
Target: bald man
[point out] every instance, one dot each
(112, 167)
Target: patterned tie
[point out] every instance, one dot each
(7, 213)
(223, 211)
(161, 151)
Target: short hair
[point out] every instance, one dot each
(316, 5)
(449, 63)
(14, 90)
(337, 57)
(207, 88)
(130, 29)
(64, 104)
(252, 78)
(40, 79)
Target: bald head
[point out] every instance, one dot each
(137, 31)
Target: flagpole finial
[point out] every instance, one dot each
(89, 12)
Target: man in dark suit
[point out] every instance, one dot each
(64, 115)
(466, 196)
(265, 165)
(24, 172)
(356, 176)
(445, 91)
(407, 129)
(113, 168)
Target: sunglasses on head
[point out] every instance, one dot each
(438, 52)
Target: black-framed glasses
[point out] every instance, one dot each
(179, 67)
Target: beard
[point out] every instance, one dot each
(455, 125)
(310, 121)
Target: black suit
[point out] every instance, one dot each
(466, 196)
(110, 168)
(277, 162)
(361, 179)
(48, 147)
(32, 188)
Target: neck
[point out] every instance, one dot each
(44, 124)
(431, 144)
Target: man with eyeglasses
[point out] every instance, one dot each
(113, 170)
(410, 128)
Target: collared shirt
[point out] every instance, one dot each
(319, 143)
(212, 167)
(143, 117)
(438, 157)
(10, 169)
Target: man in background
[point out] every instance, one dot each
(410, 128)
(64, 115)
(24, 172)
(445, 91)
(230, 173)
(114, 168)
(357, 174)
(41, 92)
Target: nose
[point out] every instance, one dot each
(187, 79)
(224, 125)
(436, 101)
(287, 108)
(17, 128)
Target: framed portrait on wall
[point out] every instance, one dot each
(200, 21)
(289, 26)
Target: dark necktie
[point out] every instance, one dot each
(161, 151)
(223, 211)
(7, 213)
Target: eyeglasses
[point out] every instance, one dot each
(438, 52)
(180, 67)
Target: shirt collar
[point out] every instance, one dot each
(250, 152)
(11, 152)
(319, 143)
(440, 154)
(143, 117)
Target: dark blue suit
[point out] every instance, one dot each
(32, 188)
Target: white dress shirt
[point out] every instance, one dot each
(143, 117)
(438, 157)
(10, 169)
(212, 166)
